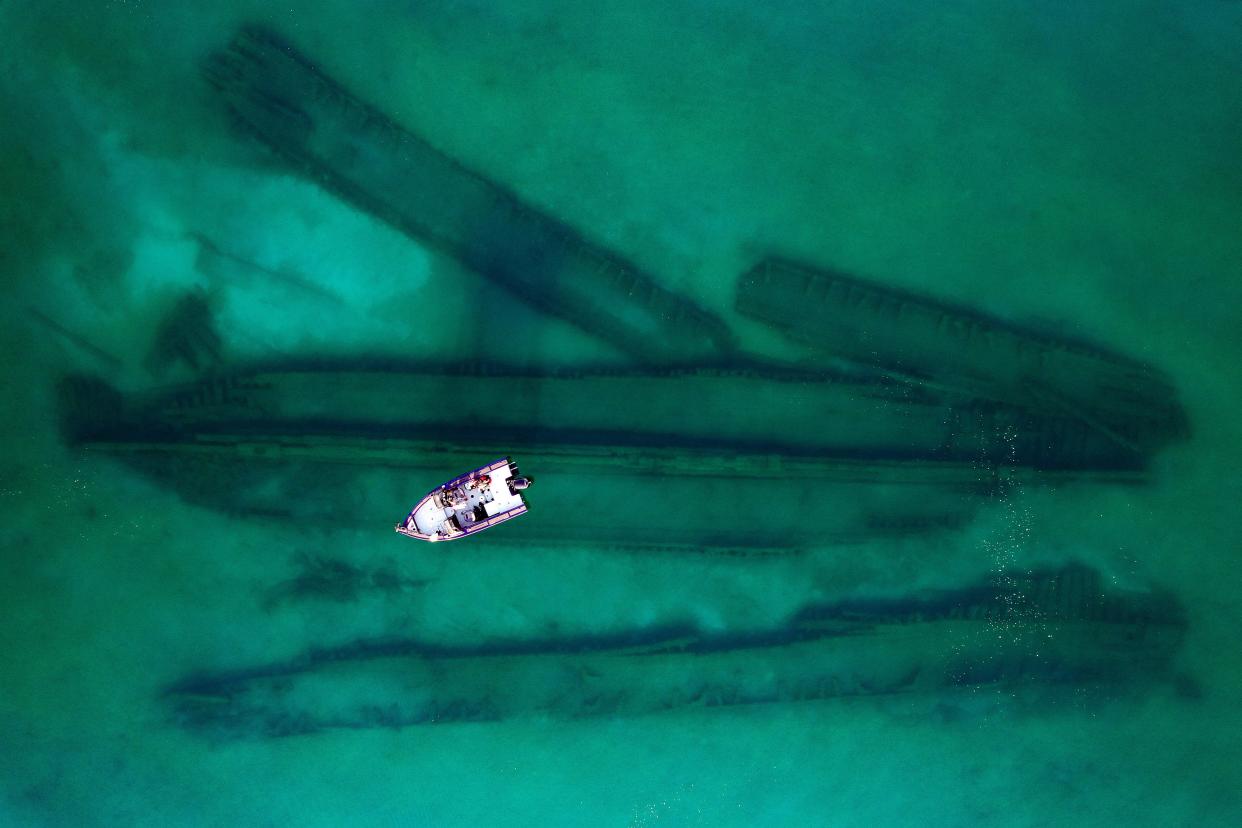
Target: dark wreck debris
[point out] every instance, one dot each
(960, 350)
(349, 486)
(750, 420)
(364, 157)
(88, 405)
(1019, 630)
(186, 338)
(818, 459)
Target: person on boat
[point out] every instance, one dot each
(452, 497)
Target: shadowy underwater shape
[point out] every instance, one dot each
(355, 151)
(1053, 628)
(720, 457)
(934, 344)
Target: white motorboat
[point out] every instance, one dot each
(475, 501)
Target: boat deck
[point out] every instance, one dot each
(467, 504)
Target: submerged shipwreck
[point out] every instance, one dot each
(920, 401)
(742, 421)
(915, 411)
(965, 353)
(338, 444)
(357, 152)
(1036, 632)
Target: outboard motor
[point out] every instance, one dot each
(518, 484)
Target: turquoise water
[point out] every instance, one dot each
(1074, 171)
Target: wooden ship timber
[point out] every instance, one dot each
(965, 353)
(364, 157)
(733, 415)
(339, 443)
(1018, 633)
